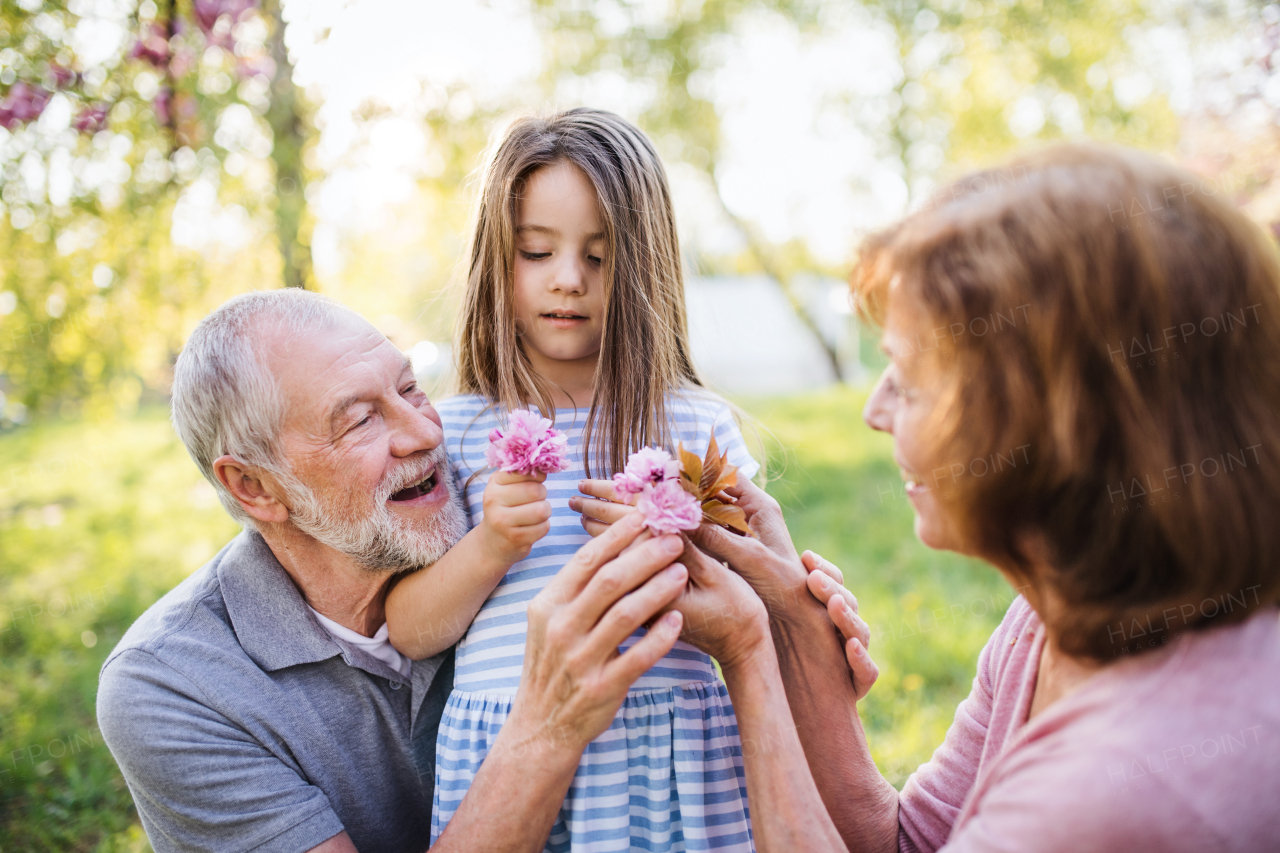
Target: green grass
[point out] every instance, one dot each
(930, 612)
(98, 520)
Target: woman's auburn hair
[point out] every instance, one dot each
(1108, 333)
(644, 350)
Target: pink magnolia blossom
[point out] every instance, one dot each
(61, 76)
(152, 46)
(207, 12)
(91, 119)
(528, 444)
(668, 508)
(647, 466)
(24, 103)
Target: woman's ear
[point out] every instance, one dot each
(246, 485)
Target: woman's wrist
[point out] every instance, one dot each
(755, 655)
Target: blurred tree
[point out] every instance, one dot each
(1232, 132)
(137, 146)
(973, 80)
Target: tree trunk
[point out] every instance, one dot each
(763, 254)
(289, 129)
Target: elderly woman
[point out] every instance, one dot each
(1099, 310)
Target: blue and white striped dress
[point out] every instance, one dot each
(668, 773)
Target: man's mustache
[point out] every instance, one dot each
(413, 472)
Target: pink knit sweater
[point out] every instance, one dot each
(1173, 749)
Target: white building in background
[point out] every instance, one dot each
(745, 337)
(747, 340)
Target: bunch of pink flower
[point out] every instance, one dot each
(529, 444)
(652, 478)
(24, 103)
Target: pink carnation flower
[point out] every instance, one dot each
(528, 444)
(648, 466)
(668, 508)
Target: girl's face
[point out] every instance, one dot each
(560, 246)
(900, 405)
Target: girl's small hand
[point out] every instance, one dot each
(599, 510)
(516, 514)
(826, 582)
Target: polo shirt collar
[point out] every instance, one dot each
(270, 617)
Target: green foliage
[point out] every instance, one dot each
(98, 274)
(97, 521)
(930, 612)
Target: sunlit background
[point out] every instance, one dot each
(158, 157)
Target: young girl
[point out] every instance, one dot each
(575, 306)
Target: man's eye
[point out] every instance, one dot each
(409, 389)
(534, 256)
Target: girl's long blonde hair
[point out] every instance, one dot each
(644, 350)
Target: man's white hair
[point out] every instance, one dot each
(225, 399)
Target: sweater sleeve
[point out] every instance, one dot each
(931, 801)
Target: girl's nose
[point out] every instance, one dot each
(569, 276)
(878, 413)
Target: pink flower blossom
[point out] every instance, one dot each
(91, 119)
(207, 12)
(61, 76)
(647, 466)
(668, 508)
(152, 46)
(528, 444)
(24, 104)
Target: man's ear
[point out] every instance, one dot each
(245, 484)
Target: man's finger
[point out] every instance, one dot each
(630, 612)
(619, 576)
(582, 566)
(647, 651)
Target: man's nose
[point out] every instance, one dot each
(878, 413)
(412, 431)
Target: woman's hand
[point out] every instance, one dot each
(769, 563)
(722, 614)
(826, 582)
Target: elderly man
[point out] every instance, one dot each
(258, 705)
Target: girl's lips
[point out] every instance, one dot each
(558, 320)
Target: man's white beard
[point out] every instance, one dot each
(370, 534)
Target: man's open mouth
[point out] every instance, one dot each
(418, 489)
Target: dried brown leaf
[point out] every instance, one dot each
(706, 479)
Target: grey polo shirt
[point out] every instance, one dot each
(241, 724)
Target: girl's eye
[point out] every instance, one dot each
(593, 259)
(534, 256)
